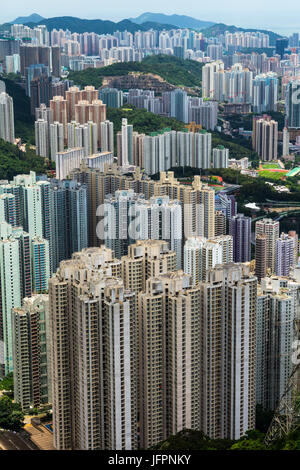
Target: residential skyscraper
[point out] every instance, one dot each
(7, 128)
(208, 82)
(292, 104)
(68, 219)
(56, 139)
(86, 110)
(261, 256)
(220, 157)
(228, 339)
(277, 307)
(12, 63)
(107, 136)
(129, 217)
(31, 352)
(40, 264)
(125, 144)
(238, 84)
(97, 335)
(271, 229)
(265, 92)
(83, 135)
(56, 61)
(220, 223)
(67, 160)
(145, 259)
(240, 229)
(266, 138)
(168, 387)
(42, 138)
(204, 113)
(32, 204)
(285, 255)
(179, 105)
(11, 296)
(8, 209)
(201, 254)
(281, 45)
(285, 143)
(58, 106)
(112, 97)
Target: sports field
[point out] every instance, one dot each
(269, 166)
(273, 174)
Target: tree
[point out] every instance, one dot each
(248, 445)
(263, 418)
(7, 383)
(253, 440)
(11, 415)
(189, 439)
(13, 161)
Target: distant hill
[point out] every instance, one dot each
(34, 18)
(181, 21)
(220, 28)
(78, 25)
(5, 29)
(178, 72)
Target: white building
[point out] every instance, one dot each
(7, 127)
(68, 160)
(220, 157)
(202, 254)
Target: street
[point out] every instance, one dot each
(11, 441)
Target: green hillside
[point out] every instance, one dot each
(24, 122)
(143, 121)
(178, 72)
(13, 161)
(239, 147)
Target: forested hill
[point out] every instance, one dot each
(78, 25)
(179, 72)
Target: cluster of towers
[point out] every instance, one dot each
(157, 320)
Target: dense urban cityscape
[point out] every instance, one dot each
(149, 221)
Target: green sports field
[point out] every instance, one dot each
(272, 175)
(270, 166)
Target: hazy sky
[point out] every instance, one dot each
(254, 13)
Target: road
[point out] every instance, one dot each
(231, 189)
(12, 441)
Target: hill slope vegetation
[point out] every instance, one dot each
(179, 72)
(24, 122)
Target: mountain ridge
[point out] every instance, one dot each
(182, 21)
(78, 25)
(34, 18)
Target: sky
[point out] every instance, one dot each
(263, 14)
